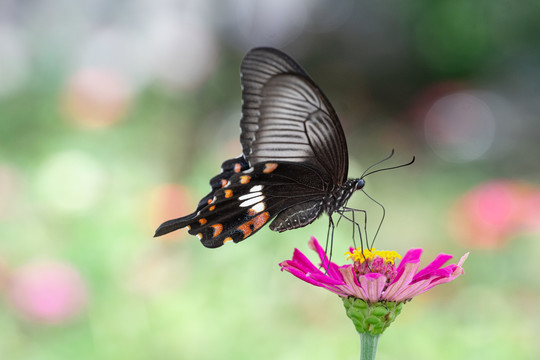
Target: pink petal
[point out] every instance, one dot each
(401, 281)
(300, 261)
(351, 286)
(373, 286)
(301, 275)
(462, 260)
(459, 271)
(420, 286)
(333, 268)
(434, 265)
(326, 279)
(411, 291)
(412, 256)
(310, 280)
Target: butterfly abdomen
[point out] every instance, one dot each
(297, 216)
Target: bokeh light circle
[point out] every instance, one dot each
(459, 127)
(71, 181)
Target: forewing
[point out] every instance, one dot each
(286, 117)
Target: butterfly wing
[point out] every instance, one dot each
(294, 153)
(228, 169)
(286, 117)
(250, 199)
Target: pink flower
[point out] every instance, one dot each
(494, 212)
(373, 276)
(50, 292)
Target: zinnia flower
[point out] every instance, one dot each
(373, 288)
(374, 276)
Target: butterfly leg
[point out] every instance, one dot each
(356, 225)
(364, 212)
(329, 240)
(382, 217)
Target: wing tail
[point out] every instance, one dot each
(174, 224)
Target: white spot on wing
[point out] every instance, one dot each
(249, 195)
(256, 188)
(252, 201)
(258, 207)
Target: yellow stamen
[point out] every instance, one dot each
(370, 254)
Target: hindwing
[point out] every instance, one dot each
(249, 200)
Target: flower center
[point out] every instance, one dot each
(374, 261)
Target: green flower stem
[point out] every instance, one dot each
(368, 348)
(370, 321)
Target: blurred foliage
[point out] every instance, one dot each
(114, 116)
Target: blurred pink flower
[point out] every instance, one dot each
(490, 214)
(531, 211)
(168, 201)
(96, 97)
(373, 276)
(50, 292)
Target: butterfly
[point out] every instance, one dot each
(294, 161)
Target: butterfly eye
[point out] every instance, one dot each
(360, 184)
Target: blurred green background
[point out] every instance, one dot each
(115, 114)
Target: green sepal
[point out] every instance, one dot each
(371, 318)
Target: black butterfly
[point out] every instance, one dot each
(294, 158)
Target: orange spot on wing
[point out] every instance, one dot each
(252, 212)
(210, 201)
(237, 168)
(228, 239)
(202, 221)
(244, 179)
(228, 193)
(218, 228)
(269, 167)
(211, 208)
(254, 224)
(199, 235)
(223, 182)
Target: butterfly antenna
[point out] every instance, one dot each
(390, 168)
(380, 223)
(377, 163)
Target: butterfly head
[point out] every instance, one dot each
(360, 183)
